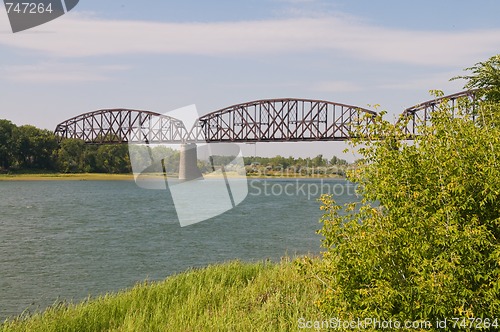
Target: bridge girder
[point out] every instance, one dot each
(116, 126)
(267, 120)
(420, 114)
(281, 120)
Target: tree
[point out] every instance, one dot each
(70, 156)
(486, 76)
(337, 161)
(90, 158)
(113, 159)
(34, 148)
(318, 161)
(7, 130)
(423, 243)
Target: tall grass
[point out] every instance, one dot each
(234, 296)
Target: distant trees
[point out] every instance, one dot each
(26, 147)
(7, 129)
(337, 161)
(318, 161)
(112, 159)
(30, 148)
(74, 156)
(70, 158)
(281, 166)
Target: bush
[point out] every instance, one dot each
(423, 242)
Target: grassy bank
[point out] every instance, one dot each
(229, 297)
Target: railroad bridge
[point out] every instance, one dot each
(269, 120)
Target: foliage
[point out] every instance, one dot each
(297, 163)
(69, 156)
(228, 297)
(424, 241)
(30, 148)
(7, 129)
(143, 158)
(113, 159)
(291, 167)
(486, 76)
(26, 147)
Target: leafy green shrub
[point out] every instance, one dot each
(423, 244)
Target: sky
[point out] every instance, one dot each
(161, 55)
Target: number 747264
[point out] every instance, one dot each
(28, 8)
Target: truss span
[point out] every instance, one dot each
(281, 120)
(115, 126)
(420, 114)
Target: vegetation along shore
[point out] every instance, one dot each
(421, 245)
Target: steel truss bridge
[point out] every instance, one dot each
(465, 101)
(270, 120)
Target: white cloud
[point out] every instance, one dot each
(55, 72)
(75, 36)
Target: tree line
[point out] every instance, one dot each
(28, 148)
(279, 161)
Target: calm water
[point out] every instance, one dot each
(66, 240)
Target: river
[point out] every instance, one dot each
(67, 240)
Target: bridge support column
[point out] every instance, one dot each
(188, 163)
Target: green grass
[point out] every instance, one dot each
(234, 296)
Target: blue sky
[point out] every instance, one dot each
(162, 55)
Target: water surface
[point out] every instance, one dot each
(66, 240)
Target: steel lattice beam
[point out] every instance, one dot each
(269, 120)
(420, 114)
(281, 120)
(115, 126)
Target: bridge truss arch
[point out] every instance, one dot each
(281, 120)
(116, 126)
(421, 114)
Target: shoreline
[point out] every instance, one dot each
(128, 177)
(66, 177)
(197, 294)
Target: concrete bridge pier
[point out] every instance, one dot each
(188, 163)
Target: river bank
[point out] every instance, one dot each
(63, 176)
(130, 177)
(233, 296)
